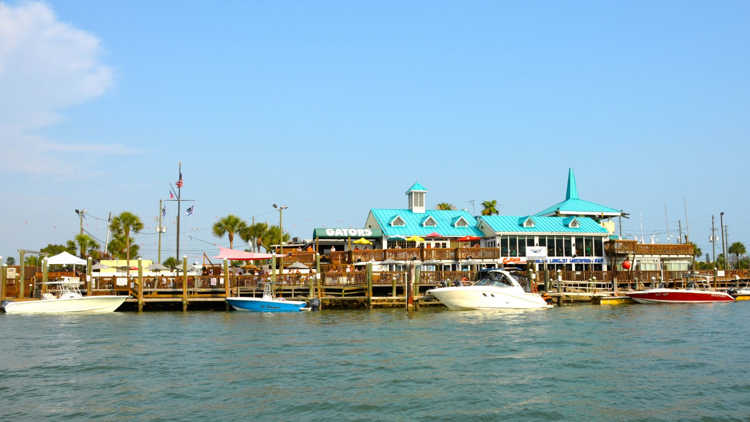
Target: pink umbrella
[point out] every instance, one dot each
(433, 234)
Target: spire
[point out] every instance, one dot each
(572, 190)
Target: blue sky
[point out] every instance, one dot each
(333, 108)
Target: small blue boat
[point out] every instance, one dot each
(268, 303)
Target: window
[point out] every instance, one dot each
(504, 251)
(429, 222)
(461, 223)
(528, 223)
(513, 245)
(398, 221)
(578, 247)
(559, 246)
(568, 250)
(599, 247)
(676, 266)
(551, 246)
(522, 246)
(589, 246)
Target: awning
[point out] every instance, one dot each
(235, 255)
(65, 259)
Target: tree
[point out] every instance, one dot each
(253, 234)
(122, 225)
(10, 261)
(31, 261)
(170, 262)
(708, 257)
(87, 245)
(490, 207)
(273, 237)
(53, 250)
(229, 225)
(737, 248)
(445, 206)
(119, 249)
(696, 250)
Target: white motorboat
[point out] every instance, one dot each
(496, 290)
(66, 297)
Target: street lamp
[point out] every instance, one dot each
(80, 214)
(281, 209)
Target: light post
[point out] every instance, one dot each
(281, 209)
(80, 214)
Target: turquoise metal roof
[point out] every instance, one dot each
(417, 187)
(413, 222)
(573, 204)
(514, 224)
(578, 205)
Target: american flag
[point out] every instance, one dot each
(190, 210)
(171, 196)
(164, 210)
(179, 182)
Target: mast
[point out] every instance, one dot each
(179, 188)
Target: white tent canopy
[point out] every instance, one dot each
(65, 259)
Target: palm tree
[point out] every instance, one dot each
(490, 207)
(697, 252)
(253, 235)
(272, 237)
(229, 225)
(170, 262)
(737, 248)
(119, 247)
(445, 206)
(122, 225)
(87, 245)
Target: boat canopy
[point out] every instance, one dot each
(235, 255)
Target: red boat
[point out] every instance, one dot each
(696, 292)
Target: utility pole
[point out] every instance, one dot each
(679, 223)
(726, 241)
(160, 230)
(106, 246)
(687, 222)
(713, 238)
(666, 216)
(80, 214)
(179, 189)
(723, 249)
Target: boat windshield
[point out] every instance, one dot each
(495, 279)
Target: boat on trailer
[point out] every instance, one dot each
(65, 297)
(267, 303)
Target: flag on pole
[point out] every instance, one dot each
(179, 182)
(190, 210)
(164, 211)
(171, 196)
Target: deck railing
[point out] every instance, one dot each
(622, 247)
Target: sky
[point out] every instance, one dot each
(332, 108)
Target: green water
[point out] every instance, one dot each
(629, 362)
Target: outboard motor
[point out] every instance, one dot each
(314, 304)
(3, 303)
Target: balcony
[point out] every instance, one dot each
(632, 247)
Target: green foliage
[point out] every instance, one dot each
(86, 244)
(170, 262)
(445, 206)
(229, 225)
(31, 261)
(696, 250)
(253, 235)
(122, 225)
(118, 247)
(10, 261)
(53, 250)
(490, 207)
(737, 248)
(273, 237)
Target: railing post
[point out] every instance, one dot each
(593, 284)
(637, 287)
(369, 285)
(417, 275)
(89, 273)
(393, 279)
(140, 285)
(559, 288)
(227, 287)
(3, 281)
(184, 284)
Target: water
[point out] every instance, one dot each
(628, 362)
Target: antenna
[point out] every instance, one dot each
(471, 201)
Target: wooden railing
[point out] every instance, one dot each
(414, 254)
(622, 247)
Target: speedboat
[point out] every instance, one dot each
(66, 297)
(698, 291)
(267, 303)
(497, 289)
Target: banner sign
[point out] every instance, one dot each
(347, 233)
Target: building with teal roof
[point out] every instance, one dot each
(575, 206)
(438, 227)
(571, 243)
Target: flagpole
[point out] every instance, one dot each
(179, 188)
(159, 229)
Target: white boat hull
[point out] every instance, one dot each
(487, 297)
(87, 304)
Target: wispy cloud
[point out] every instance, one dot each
(45, 66)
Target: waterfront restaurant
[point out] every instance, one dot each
(572, 243)
(437, 228)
